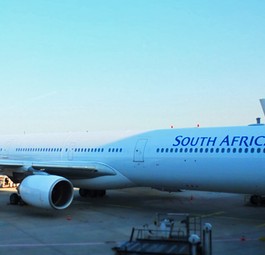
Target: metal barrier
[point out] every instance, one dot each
(179, 234)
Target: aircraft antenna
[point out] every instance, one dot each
(262, 102)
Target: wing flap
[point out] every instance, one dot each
(11, 164)
(74, 170)
(67, 169)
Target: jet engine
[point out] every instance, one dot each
(47, 191)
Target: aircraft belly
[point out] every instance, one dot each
(117, 181)
(209, 174)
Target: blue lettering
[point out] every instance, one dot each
(225, 141)
(203, 139)
(177, 140)
(235, 140)
(260, 143)
(212, 141)
(243, 140)
(251, 141)
(185, 141)
(192, 143)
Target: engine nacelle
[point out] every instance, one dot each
(47, 191)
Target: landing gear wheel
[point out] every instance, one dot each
(92, 193)
(101, 193)
(14, 199)
(256, 200)
(83, 192)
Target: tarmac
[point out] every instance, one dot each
(94, 226)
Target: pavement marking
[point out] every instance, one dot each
(261, 225)
(121, 206)
(235, 240)
(56, 244)
(212, 214)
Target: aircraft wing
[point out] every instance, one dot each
(74, 170)
(10, 164)
(67, 169)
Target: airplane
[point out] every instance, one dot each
(219, 159)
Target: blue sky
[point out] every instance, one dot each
(130, 64)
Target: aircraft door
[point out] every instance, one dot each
(139, 150)
(70, 151)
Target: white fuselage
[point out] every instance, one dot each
(228, 159)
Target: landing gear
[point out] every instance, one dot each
(257, 200)
(92, 193)
(14, 199)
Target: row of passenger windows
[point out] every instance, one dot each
(66, 150)
(39, 149)
(87, 149)
(96, 150)
(207, 150)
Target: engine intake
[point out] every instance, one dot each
(47, 191)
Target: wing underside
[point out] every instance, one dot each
(70, 170)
